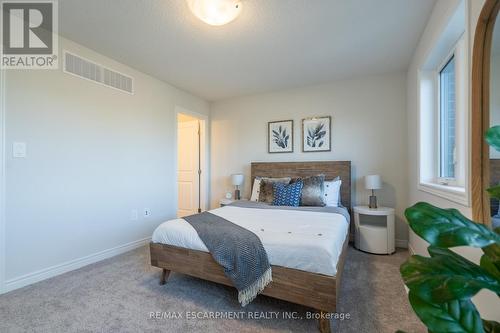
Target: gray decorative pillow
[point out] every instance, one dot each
(266, 188)
(313, 191)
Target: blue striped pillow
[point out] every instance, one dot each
(287, 194)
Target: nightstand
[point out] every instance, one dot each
(225, 202)
(374, 229)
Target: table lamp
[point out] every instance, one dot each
(237, 180)
(373, 182)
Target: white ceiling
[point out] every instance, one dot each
(272, 45)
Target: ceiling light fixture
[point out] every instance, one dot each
(215, 12)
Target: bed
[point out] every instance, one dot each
(307, 258)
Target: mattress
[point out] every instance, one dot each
(310, 241)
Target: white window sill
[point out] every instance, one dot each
(456, 194)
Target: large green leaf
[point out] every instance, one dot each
(445, 276)
(492, 136)
(447, 227)
(490, 266)
(491, 326)
(490, 261)
(454, 316)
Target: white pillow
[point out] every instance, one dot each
(332, 192)
(255, 189)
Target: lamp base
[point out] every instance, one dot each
(237, 195)
(373, 202)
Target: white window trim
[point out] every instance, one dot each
(446, 181)
(453, 193)
(429, 181)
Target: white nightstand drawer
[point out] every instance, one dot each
(373, 239)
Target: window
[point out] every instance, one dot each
(447, 122)
(443, 111)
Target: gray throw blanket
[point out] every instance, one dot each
(238, 250)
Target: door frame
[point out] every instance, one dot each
(204, 156)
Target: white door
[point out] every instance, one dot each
(187, 174)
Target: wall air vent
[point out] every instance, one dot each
(89, 70)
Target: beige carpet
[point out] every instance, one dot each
(119, 295)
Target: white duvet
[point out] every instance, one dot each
(304, 240)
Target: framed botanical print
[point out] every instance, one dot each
(316, 134)
(280, 136)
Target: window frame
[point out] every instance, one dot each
(446, 181)
(456, 190)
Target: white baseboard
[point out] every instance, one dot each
(49, 272)
(403, 243)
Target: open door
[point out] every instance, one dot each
(189, 166)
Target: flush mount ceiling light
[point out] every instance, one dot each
(215, 12)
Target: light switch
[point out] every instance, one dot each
(19, 150)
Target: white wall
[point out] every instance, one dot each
(368, 128)
(487, 303)
(94, 155)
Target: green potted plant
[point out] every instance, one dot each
(442, 285)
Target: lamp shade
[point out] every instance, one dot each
(237, 179)
(215, 12)
(373, 182)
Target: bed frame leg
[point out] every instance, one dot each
(324, 322)
(164, 276)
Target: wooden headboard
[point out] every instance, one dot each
(305, 169)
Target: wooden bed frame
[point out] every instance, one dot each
(313, 290)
